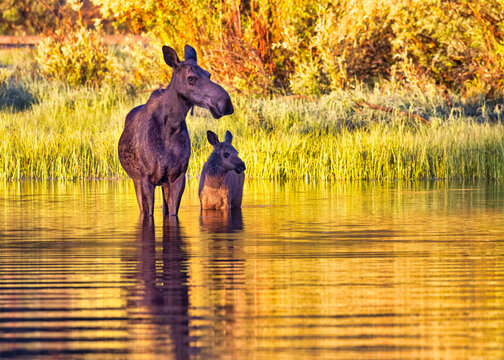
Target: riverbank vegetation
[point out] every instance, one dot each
(51, 130)
(298, 82)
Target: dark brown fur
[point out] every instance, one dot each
(154, 147)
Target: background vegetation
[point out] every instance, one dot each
(63, 103)
(301, 46)
(49, 129)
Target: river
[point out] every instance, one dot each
(346, 270)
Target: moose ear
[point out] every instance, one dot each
(229, 137)
(212, 137)
(170, 57)
(190, 53)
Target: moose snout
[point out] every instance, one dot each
(218, 100)
(240, 167)
(221, 106)
(224, 104)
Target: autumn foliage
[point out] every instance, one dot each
(315, 46)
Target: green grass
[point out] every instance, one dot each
(51, 131)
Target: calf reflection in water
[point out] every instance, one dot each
(226, 273)
(221, 220)
(165, 295)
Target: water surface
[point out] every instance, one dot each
(311, 271)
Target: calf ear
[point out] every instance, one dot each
(190, 53)
(170, 57)
(212, 137)
(229, 137)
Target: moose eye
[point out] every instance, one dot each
(226, 155)
(192, 80)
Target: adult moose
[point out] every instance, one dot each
(154, 147)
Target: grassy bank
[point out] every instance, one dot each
(50, 130)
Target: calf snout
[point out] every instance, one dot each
(240, 167)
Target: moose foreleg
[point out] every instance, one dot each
(138, 192)
(166, 196)
(175, 194)
(147, 189)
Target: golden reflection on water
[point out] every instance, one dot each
(344, 270)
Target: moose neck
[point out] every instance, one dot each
(173, 110)
(215, 169)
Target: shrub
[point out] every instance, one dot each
(77, 57)
(144, 65)
(458, 44)
(301, 46)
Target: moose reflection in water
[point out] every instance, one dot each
(155, 147)
(163, 291)
(164, 295)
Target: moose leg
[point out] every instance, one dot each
(176, 190)
(166, 196)
(147, 189)
(138, 192)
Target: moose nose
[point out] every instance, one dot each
(225, 105)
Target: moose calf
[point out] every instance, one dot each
(222, 177)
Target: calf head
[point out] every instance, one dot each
(193, 84)
(224, 154)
